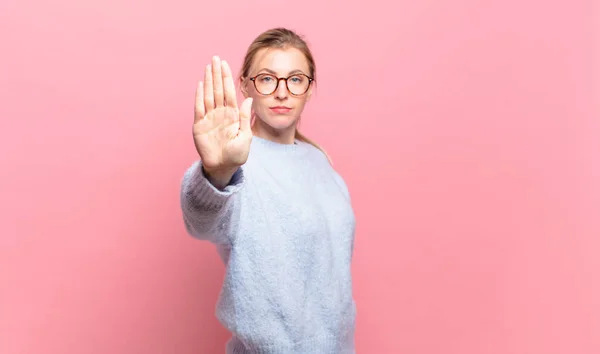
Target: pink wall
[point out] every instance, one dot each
(468, 132)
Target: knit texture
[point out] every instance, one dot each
(284, 227)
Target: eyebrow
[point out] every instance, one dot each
(293, 72)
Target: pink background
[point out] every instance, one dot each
(467, 131)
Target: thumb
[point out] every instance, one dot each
(245, 114)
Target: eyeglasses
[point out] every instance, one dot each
(267, 84)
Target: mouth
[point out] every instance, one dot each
(280, 109)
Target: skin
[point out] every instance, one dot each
(278, 127)
(222, 131)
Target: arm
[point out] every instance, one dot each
(209, 213)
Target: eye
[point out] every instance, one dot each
(265, 78)
(296, 79)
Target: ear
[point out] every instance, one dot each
(243, 87)
(309, 93)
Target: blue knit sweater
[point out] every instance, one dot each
(284, 227)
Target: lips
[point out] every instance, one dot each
(280, 109)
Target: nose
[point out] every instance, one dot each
(281, 91)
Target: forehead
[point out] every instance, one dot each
(281, 61)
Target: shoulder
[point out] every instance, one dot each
(342, 184)
(324, 163)
(317, 155)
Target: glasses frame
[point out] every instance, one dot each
(310, 81)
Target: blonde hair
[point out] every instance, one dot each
(282, 38)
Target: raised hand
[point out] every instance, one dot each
(222, 132)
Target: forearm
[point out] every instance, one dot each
(207, 207)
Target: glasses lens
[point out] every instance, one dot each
(265, 83)
(298, 84)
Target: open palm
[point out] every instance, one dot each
(222, 132)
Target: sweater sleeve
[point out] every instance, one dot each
(209, 213)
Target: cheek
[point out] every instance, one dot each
(258, 100)
(259, 103)
(300, 102)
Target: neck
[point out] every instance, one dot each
(264, 131)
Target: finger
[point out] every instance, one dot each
(199, 106)
(209, 100)
(245, 115)
(229, 87)
(217, 81)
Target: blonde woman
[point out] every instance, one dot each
(269, 199)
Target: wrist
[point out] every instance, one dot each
(219, 178)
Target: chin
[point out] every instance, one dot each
(280, 122)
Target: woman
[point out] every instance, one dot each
(268, 198)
